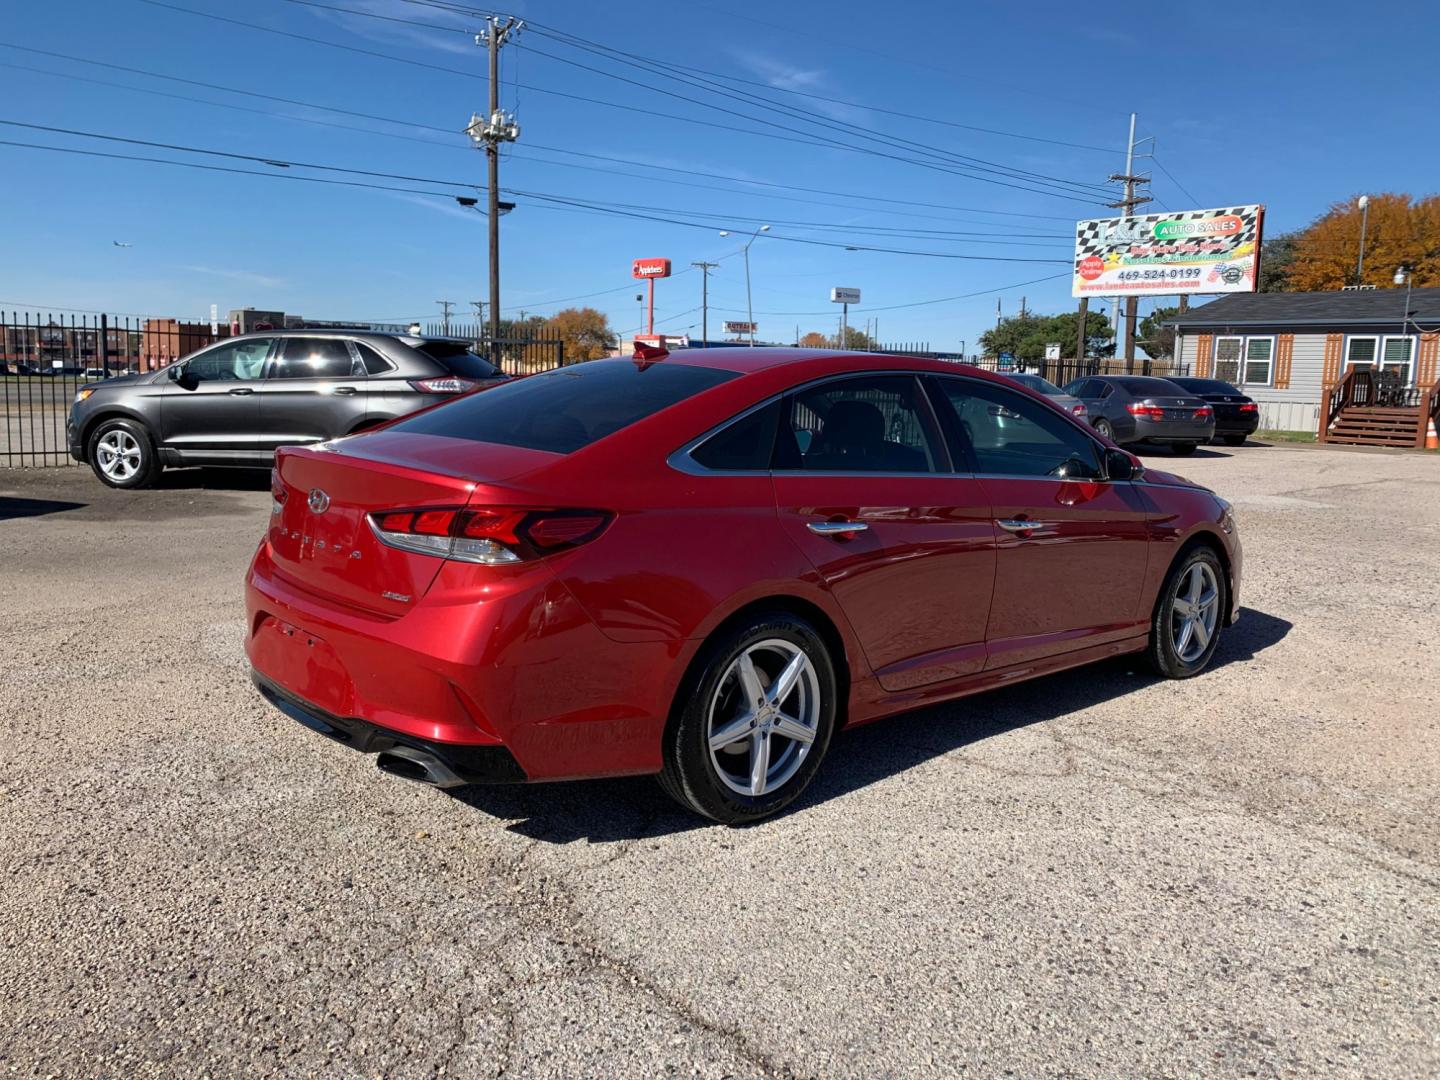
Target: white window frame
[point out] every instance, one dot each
(1239, 359)
(1362, 337)
(1245, 362)
(1409, 363)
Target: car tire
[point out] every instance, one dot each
(1182, 448)
(1186, 595)
(1102, 427)
(722, 781)
(1234, 440)
(122, 454)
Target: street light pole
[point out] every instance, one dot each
(749, 304)
(1364, 204)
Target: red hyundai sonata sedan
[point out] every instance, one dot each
(704, 564)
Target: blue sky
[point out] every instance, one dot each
(1293, 105)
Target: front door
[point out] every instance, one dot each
(1072, 547)
(210, 407)
(314, 389)
(864, 489)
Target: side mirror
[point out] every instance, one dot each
(173, 372)
(1123, 465)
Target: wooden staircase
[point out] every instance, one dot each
(1367, 409)
(1375, 426)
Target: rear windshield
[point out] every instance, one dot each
(570, 407)
(1206, 386)
(456, 358)
(1149, 387)
(1036, 383)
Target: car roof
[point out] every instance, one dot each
(351, 332)
(807, 363)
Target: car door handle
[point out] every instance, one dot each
(240, 390)
(1019, 525)
(345, 390)
(836, 528)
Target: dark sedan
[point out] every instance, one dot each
(237, 401)
(1140, 409)
(1236, 416)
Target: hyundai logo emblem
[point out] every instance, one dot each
(318, 501)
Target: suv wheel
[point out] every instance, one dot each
(122, 455)
(753, 728)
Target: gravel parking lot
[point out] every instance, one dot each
(1093, 875)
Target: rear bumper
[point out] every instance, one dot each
(1173, 431)
(1237, 425)
(459, 764)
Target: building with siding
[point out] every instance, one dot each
(1284, 349)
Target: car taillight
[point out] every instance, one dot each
(1204, 412)
(1079, 410)
(488, 535)
(444, 384)
(277, 492)
(1147, 412)
(1249, 406)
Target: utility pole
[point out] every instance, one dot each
(490, 132)
(997, 312)
(705, 268)
(479, 306)
(1126, 206)
(1080, 332)
(1022, 309)
(445, 306)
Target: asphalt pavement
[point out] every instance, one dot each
(1092, 875)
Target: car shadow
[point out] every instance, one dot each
(634, 808)
(1198, 452)
(25, 508)
(214, 479)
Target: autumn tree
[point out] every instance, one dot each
(816, 340)
(1400, 231)
(585, 332)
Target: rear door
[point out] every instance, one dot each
(212, 407)
(314, 389)
(864, 489)
(1072, 547)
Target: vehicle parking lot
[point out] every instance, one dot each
(1093, 874)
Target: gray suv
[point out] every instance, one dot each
(234, 402)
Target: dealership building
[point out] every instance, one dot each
(1283, 349)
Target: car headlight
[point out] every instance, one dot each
(83, 393)
(1227, 515)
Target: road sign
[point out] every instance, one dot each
(650, 268)
(740, 327)
(841, 295)
(1007, 360)
(1052, 350)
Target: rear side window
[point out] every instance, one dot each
(874, 424)
(568, 408)
(744, 445)
(375, 364)
(456, 358)
(314, 358)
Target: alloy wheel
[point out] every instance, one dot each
(764, 717)
(1195, 612)
(119, 454)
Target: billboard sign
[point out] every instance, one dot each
(840, 295)
(1193, 251)
(650, 268)
(740, 327)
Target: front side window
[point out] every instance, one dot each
(1227, 359)
(1259, 360)
(1007, 435)
(234, 361)
(315, 358)
(872, 424)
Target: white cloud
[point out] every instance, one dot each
(392, 32)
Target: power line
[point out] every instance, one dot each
(1156, 162)
(922, 303)
(831, 143)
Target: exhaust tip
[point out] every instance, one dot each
(409, 763)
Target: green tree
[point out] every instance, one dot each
(585, 332)
(1277, 256)
(1157, 340)
(1026, 338)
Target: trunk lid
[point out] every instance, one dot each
(1176, 408)
(321, 537)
